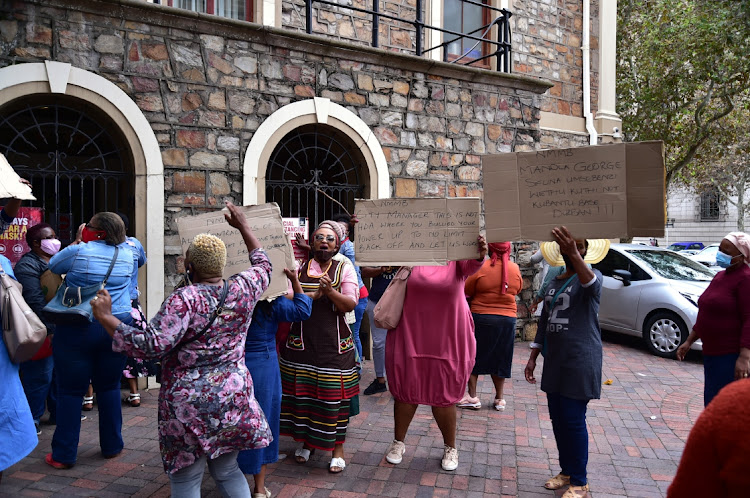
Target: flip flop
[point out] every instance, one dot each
(337, 463)
(302, 455)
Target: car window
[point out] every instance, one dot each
(695, 246)
(616, 261)
(675, 247)
(672, 265)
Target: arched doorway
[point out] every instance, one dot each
(315, 171)
(76, 158)
(60, 81)
(362, 141)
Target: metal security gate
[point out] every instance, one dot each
(311, 167)
(77, 165)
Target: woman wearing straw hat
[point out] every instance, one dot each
(723, 322)
(570, 339)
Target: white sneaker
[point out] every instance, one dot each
(450, 458)
(395, 452)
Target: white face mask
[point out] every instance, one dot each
(50, 246)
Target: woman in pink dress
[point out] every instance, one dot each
(430, 354)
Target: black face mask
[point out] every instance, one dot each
(323, 256)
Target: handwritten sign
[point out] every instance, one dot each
(604, 191)
(395, 232)
(265, 221)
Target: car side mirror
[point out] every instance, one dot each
(623, 276)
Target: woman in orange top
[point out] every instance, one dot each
(492, 294)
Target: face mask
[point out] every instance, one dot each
(50, 246)
(89, 235)
(723, 260)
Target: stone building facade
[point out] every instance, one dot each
(198, 107)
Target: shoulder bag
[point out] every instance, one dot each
(390, 307)
(214, 315)
(23, 331)
(72, 305)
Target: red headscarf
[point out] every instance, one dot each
(501, 249)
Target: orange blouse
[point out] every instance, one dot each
(483, 289)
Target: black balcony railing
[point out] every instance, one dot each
(499, 45)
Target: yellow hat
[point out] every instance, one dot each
(596, 252)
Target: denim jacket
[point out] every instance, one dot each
(29, 270)
(87, 263)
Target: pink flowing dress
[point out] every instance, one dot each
(429, 356)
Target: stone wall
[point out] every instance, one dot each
(342, 23)
(205, 84)
(547, 43)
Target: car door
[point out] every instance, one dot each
(618, 309)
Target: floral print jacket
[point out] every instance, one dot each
(206, 401)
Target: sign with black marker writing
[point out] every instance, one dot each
(266, 223)
(603, 191)
(411, 232)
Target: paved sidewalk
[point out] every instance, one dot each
(637, 433)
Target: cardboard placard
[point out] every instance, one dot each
(265, 221)
(10, 183)
(412, 232)
(603, 191)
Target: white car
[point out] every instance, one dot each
(652, 293)
(707, 256)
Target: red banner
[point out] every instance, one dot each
(13, 241)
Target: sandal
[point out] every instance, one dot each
(302, 455)
(58, 465)
(576, 491)
(557, 482)
(88, 403)
(337, 463)
(499, 405)
(134, 399)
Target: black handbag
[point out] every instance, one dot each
(72, 304)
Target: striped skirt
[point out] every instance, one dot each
(315, 403)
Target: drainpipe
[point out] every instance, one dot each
(593, 135)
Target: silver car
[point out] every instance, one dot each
(651, 293)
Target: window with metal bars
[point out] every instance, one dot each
(233, 9)
(710, 205)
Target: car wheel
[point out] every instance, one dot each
(664, 332)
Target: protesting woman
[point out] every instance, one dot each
(263, 364)
(36, 374)
(723, 323)
(17, 433)
(207, 411)
(84, 354)
(318, 369)
(430, 354)
(492, 295)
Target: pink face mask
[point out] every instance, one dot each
(50, 246)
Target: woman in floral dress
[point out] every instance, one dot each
(207, 410)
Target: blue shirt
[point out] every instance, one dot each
(261, 336)
(17, 432)
(87, 263)
(139, 259)
(347, 249)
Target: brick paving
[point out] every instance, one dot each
(636, 433)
